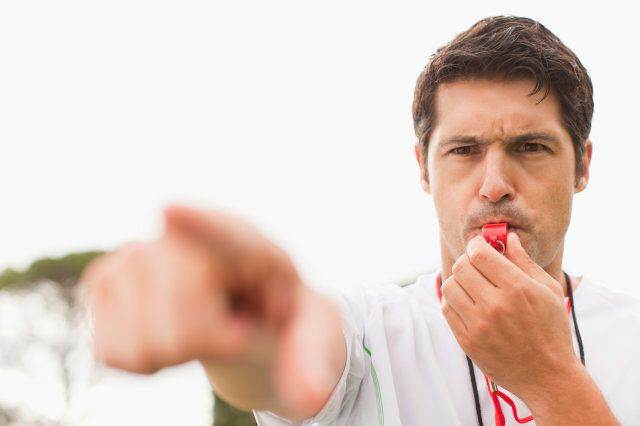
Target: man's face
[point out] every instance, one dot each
(497, 155)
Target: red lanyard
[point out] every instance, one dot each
(499, 416)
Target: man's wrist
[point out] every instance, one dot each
(549, 396)
(570, 398)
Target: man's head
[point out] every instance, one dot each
(503, 114)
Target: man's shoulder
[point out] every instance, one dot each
(364, 300)
(600, 299)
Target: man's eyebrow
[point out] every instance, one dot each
(462, 140)
(534, 136)
(522, 138)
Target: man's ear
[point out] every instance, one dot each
(424, 180)
(583, 180)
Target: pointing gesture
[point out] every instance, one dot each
(214, 289)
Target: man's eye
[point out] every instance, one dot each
(531, 147)
(462, 150)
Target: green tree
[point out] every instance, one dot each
(65, 271)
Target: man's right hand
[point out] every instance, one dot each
(214, 289)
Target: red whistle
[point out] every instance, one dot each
(496, 235)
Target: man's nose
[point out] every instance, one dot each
(496, 182)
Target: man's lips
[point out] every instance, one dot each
(509, 226)
(477, 230)
(495, 219)
(511, 223)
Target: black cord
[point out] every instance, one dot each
(476, 398)
(573, 315)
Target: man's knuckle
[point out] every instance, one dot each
(444, 289)
(479, 329)
(516, 292)
(469, 343)
(457, 266)
(556, 290)
(478, 256)
(465, 342)
(446, 309)
(496, 310)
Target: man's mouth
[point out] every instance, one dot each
(517, 221)
(477, 230)
(511, 225)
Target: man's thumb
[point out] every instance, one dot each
(518, 255)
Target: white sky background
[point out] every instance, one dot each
(295, 115)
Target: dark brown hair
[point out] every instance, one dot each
(507, 47)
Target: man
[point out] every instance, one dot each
(502, 114)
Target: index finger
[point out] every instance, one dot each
(492, 265)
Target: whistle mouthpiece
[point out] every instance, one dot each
(496, 235)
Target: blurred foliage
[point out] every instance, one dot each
(65, 271)
(8, 416)
(226, 415)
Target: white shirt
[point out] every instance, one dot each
(404, 366)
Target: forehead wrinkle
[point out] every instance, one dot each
(487, 120)
(508, 127)
(520, 115)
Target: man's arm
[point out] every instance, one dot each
(214, 289)
(571, 398)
